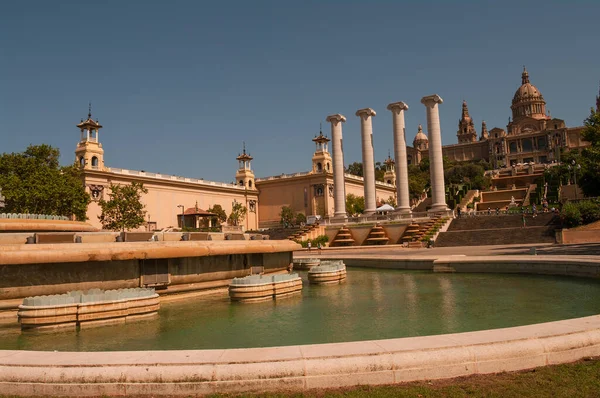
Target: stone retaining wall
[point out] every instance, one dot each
(33, 270)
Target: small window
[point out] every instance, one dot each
(241, 183)
(249, 183)
(319, 167)
(95, 162)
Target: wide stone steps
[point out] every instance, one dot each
(496, 236)
(467, 223)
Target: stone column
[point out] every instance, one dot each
(436, 165)
(339, 194)
(366, 129)
(402, 193)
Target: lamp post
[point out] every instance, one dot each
(575, 168)
(182, 215)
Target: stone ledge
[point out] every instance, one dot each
(298, 367)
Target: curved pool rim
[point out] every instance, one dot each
(303, 367)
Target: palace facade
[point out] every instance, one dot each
(531, 136)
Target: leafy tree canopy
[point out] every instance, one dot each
(355, 205)
(33, 182)
(590, 156)
(124, 209)
(238, 214)
(221, 215)
(287, 215)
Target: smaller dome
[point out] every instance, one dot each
(421, 135)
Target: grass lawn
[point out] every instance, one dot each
(580, 379)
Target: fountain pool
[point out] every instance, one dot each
(372, 304)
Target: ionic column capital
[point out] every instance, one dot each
(397, 107)
(335, 119)
(431, 100)
(366, 112)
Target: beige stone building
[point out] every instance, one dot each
(173, 198)
(168, 196)
(312, 192)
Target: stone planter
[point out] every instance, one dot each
(327, 273)
(256, 288)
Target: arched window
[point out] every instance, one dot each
(249, 183)
(327, 166)
(95, 162)
(389, 181)
(82, 161)
(241, 183)
(319, 167)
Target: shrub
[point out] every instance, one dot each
(321, 239)
(570, 215)
(590, 211)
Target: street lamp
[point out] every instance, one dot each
(575, 168)
(182, 215)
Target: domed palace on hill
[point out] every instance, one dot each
(532, 136)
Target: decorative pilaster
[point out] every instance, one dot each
(339, 198)
(397, 109)
(366, 128)
(436, 165)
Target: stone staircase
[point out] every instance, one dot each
(423, 205)
(414, 233)
(499, 230)
(342, 238)
(471, 194)
(280, 233)
(377, 236)
(301, 233)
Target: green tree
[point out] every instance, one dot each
(355, 205)
(33, 182)
(355, 168)
(300, 218)
(221, 215)
(590, 156)
(124, 209)
(238, 214)
(287, 215)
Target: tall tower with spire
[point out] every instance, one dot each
(244, 176)
(390, 171)
(321, 160)
(89, 153)
(484, 132)
(466, 129)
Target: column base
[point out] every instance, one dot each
(342, 218)
(438, 207)
(403, 210)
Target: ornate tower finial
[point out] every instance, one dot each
(90, 111)
(244, 145)
(524, 76)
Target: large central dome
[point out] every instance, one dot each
(528, 101)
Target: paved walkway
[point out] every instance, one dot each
(587, 250)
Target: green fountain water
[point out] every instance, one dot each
(372, 304)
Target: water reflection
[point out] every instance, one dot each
(371, 304)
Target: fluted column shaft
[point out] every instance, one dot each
(402, 194)
(366, 128)
(436, 165)
(339, 190)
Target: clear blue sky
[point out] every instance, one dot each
(178, 85)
